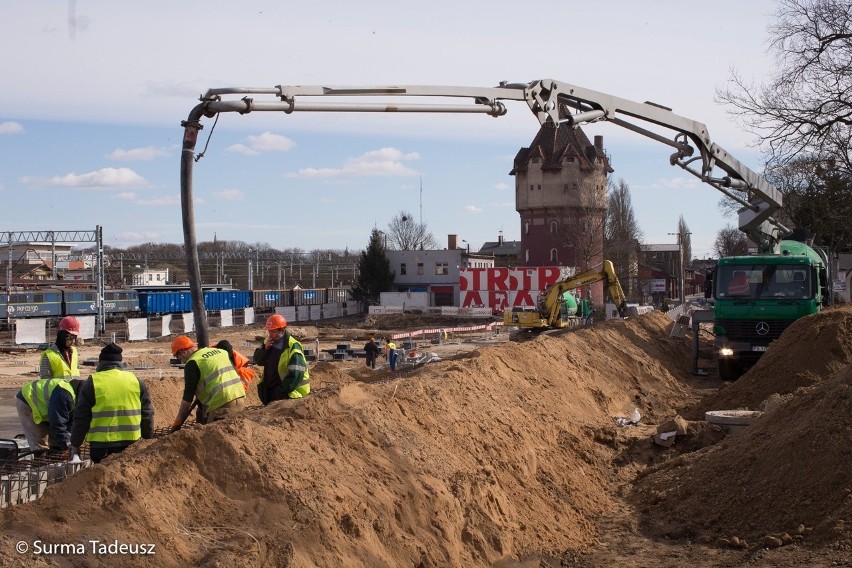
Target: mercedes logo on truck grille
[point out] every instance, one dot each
(762, 328)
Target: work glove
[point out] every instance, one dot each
(58, 454)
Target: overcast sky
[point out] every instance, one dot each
(95, 91)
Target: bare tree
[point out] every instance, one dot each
(805, 107)
(622, 234)
(730, 241)
(684, 239)
(404, 233)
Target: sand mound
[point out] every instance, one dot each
(510, 452)
(786, 476)
(810, 350)
(461, 463)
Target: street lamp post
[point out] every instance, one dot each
(680, 268)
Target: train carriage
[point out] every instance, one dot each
(41, 303)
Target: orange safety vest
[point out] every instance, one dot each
(246, 373)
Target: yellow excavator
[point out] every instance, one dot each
(550, 313)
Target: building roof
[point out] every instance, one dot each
(659, 248)
(552, 145)
(505, 248)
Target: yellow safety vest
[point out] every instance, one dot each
(117, 413)
(37, 395)
(219, 382)
(302, 389)
(59, 368)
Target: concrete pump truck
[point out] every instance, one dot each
(756, 297)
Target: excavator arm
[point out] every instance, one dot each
(551, 305)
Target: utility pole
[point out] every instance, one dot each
(250, 273)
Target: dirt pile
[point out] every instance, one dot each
(506, 456)
(810, 350)
(460, 463)
(784, 478)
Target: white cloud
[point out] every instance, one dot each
(501, 186)
(180, 89)
(11, 128)
(103, 178)
(472, 209)
(382, 162)
(135, 238)
(678, 182)
(266, 142)
(229, 195)
(137, 154)
(125, 196)
(161, 201)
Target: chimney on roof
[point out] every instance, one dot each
(599, 145)
(500, 238)
(452, 242)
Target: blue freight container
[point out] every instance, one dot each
(153, 303)
(227, 299)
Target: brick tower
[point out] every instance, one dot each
(560, 194)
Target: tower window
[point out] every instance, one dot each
(553, 256)
(554, 227)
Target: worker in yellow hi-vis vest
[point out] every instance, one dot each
(113, 408)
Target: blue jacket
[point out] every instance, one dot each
(60, 415)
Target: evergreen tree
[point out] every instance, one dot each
(375, 272)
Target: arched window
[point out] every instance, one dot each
(554, 257)
(527, 255)
(554, 227)
(526, 227)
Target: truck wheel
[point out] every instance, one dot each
(729, 370)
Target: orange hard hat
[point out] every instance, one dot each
(275, 321)
(70, 324)
(181, 342)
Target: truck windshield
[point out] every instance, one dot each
(764, 281)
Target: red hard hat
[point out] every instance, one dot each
(180, 343)
(70, 324)
(275, 321)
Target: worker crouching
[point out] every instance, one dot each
(113, 408)
(210, 377)
(285, 369)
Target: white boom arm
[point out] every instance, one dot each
(551, 101)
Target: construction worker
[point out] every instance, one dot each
(59, 361)
(371, 348)
(285, 369)
(113, 408)
(240, 362)
(390, 353)
(45, 409)
(210, 377)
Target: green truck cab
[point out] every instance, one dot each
(755, 298)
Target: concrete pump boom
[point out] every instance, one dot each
(551, 101)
